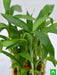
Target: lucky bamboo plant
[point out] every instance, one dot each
(30, 42)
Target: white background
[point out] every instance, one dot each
(33, 6)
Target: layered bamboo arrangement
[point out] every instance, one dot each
(30, 42)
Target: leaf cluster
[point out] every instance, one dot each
(31, 41)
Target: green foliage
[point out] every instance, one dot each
(31, 41)
(6, 4)
(13, 43)
(15, 8)
(4, 37)
(26, 55)
(45, 41)
(27, 17)
(2, 26)
(11, 56)
(52, 60)
(1, 46)
(38, 22)
(44, 53)
(46, 11)
(16, 21)
(50, 29)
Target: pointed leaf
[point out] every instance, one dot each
(52, 60)
(27, 17)
(11, 56)
(13, 43)
(45, 41)
(50, 29)
(46, 11)
(9, 42)
(38, 22)
(29, 22)
(4, 37)
(16, 22)
(29, 39)
(2, 26)
(26, 55)
(54, 25)
(6, 4)
(47, 23)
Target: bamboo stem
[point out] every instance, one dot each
(32, 64)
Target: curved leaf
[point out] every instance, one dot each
(45, 41)
(16, 22)
(29, 39)
(26, 55)
(46, 11)
(15, 8)
(2, 26)
(13, 31)
(13, 43)
(44, 53)
(38, 22)
(11, 56)
(27, 17)
(50, 29)
(9, 42)
(4, 37)
(47, 23)
(54, 25)
(52, 60)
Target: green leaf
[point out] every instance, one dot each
(47, 23)
(9, 42)
(46, 11)
(6, 4)
(26, 55)
(20, 42)
(16, 22)
(54, 25)
(37, 63)
(13, 43)
(2, 26)
(45, 41)
(13, 31)
(1, 46)
(4, 37)
(52, 60)
(23, 72)
(51, 20)
(11, 56)
(38, 22)
(50, 29)
(44, 53)
(15, 8)
(29, 39)
(27, 17)
(29, 22)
